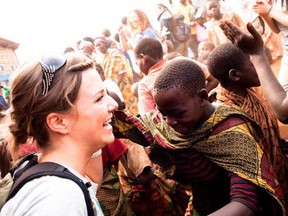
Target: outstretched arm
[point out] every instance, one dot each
(252, 44)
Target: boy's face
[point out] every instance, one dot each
(203, 47)
(213, 9)
(248, 75)
(143, 63)
(100, 46)
(181, 111)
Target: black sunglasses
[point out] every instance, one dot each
(50, 64)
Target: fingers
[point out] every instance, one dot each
(253, 32)
(229, 29)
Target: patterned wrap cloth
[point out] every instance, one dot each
(258, 109)
(238, 149)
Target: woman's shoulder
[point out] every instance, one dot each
(150, 32)
(48, 194)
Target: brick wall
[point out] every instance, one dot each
(8, 59)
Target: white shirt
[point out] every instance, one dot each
(51, 195)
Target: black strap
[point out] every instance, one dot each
(51, 169)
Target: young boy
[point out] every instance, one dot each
(214, 32)
(237, 75)
(149, 57)
(218, 151)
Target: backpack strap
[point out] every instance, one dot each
(51, 169)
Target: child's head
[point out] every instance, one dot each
(213, 9)
(148, 52)
(180, 94)
(204, 46)
(231, 66)
(203, 57)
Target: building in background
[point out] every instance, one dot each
(8, 59)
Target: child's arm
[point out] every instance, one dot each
(264, 9)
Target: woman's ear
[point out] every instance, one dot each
(57, 123)
(234, 75)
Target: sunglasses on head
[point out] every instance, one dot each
(50, 64)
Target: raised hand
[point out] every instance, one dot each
(249, 42)
(262, 8)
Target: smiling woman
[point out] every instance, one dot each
(67, 116)
(44, 26)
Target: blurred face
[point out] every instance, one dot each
(182, 112)
(101, 46)
(203, 47)
(244, 4)
(89, 123)
(134, 19)
(113, 44)
(213, 9)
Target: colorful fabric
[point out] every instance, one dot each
(133, 163)
(245, 192)
(111, 196)
(158, 197)
(246, 157)
(115, 65)
(111, 153)
(151, 198)
(213, 187)
(258, 109)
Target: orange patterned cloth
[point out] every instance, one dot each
(115, 64)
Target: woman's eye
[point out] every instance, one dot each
(99, 99)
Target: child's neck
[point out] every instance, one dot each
(238, 90)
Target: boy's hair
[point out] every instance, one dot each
(87, 38)
(106, 32)
(149, 46)
(224, 58)
(124, 20)
(181, 73)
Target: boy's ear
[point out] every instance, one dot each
(57, 123)
(147, 59)
(203, 95)
(234, 75)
